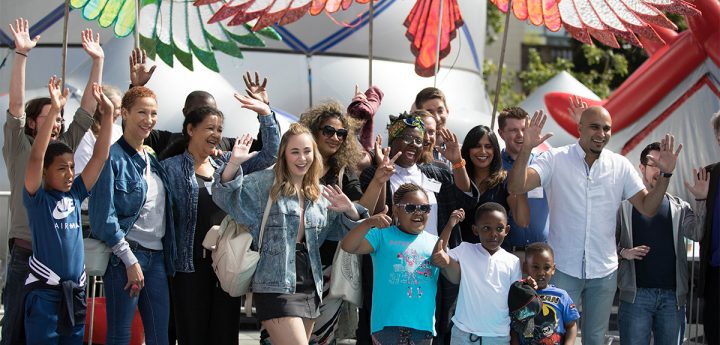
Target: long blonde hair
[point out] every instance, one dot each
(283, 185)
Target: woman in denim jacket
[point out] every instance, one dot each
(204, 313)
(131, 211)
(287, 285)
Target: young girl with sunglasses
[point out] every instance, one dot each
(404, 279)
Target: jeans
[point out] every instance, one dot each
(14, 289)
(656, 311)
(42, 307)
(153, 302)
(402, 336)
(460, 337)
(596, 296)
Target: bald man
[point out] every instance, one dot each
(585, 184)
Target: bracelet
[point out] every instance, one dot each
(19, 53)
(459, 165)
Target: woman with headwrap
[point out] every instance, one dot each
(447, 191)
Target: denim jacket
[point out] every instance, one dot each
(244, 199)
(180, 170)
(119, 194)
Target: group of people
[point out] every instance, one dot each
(444, 227)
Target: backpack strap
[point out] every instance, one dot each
(264, 221)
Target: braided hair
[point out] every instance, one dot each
(404, 189)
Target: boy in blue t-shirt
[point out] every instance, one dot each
(55, 299)
(555, 324)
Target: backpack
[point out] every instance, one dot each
(233, 260)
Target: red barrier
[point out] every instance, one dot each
(137, 333)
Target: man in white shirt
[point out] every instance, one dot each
(585, 185)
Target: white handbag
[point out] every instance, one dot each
(234, 262)
(345, 279)
(97, 255)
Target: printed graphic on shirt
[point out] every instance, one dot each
(547, 328)
(410, 267)
(63, 208)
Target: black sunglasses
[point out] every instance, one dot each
(329, 131)
(412, 208)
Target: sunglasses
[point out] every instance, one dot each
(412, 208)
(409, 139)
(329, 131)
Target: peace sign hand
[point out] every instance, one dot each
(386, 169)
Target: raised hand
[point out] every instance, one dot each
(699, 188)
(253, 104)
(380, 153)
(457, 216)
(339, 202)
(380, 220)
(104, 104)
(241, 150)
(255, 89)
(386, 169)
(21, 36)
(451, 147)
(440, 257)
(140, 73)
(667, 158)
(533, 130)
(57, 98)
(577, 106)
(359, 95)
(637, 253)
(92, 45)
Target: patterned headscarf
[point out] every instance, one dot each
(399, 123)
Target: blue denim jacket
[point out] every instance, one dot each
(119, 194)
(181, 177)
(245, 197)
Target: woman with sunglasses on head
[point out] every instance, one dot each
(482, 152)
(446, 191)
(403, 299)
(287, 285)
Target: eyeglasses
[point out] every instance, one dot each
(412, 208)
(409, 139)
(498, 229)
(329, 131)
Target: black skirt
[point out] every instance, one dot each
(304, 303)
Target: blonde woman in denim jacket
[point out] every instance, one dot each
(203, 312)
(287, 285)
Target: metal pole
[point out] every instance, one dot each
(437, 49)
(370, 42)
(65, 42)
(92, 310)
(136, 33)
(500, 67)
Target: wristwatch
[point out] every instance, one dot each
(666, 175)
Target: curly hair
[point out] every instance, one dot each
(349, 153)
(131, 96)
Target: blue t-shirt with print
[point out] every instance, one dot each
(404, 279)
(54, 219)
(548, 327)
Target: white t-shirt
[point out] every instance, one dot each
(482, 305)
(149, 228)
(583, 204)
(414, 175)
(84, 150)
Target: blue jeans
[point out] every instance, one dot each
(153, 302)
(14, 289)
(656, 311)
(42, 307)
(460, 337)
(596, 296)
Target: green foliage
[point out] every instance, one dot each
(494, 24)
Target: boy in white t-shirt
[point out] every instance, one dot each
(485, 273)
